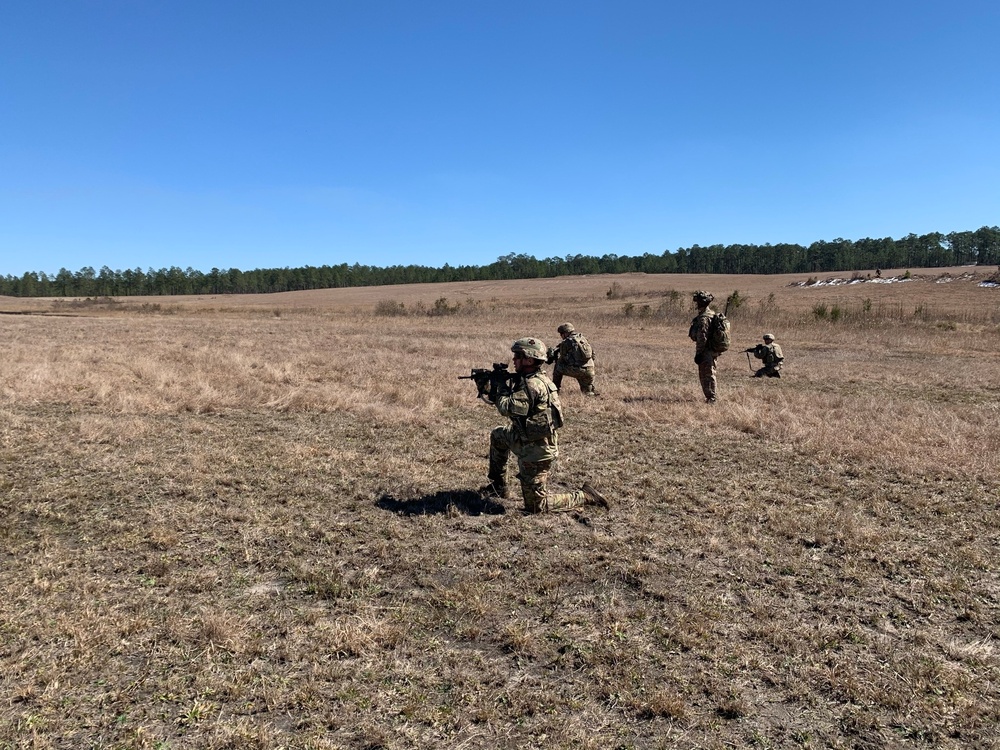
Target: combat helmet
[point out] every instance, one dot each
(566, 328)
(702, 297)
(530, 347)
(768, 337)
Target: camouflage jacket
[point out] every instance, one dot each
(533, 408)
(698, 332)
(573, 351)
(770, 354)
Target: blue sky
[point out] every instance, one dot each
(258, 134)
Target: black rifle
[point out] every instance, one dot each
(490, 383)
(755, 351)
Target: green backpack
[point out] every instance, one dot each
(579, 350)
(718, 339)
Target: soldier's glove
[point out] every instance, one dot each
(551, 355)
(499, 386)
(699, 358)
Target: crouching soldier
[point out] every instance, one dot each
(531, 403)
(770, 355)
(574, 358)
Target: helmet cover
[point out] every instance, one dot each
(530, 347)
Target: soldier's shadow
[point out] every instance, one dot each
(467, 502)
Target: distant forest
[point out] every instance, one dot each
(981, 247)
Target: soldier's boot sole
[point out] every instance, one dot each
(593, 497)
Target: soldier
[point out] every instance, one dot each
(574, 357)
(531, 402)
(704, 356)
(770, 354)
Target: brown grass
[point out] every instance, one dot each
(250, 523)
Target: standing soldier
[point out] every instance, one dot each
(704, 353)
(531, 402)
(770, 355)
(574, 357)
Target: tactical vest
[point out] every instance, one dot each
(545, 416)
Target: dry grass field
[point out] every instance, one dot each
(251, 522)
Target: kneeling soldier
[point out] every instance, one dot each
(574, 358)
(531, 402)
(770, 354)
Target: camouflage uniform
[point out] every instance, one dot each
(567, 358)
(535, 414)
(770, 354)
(703, 356)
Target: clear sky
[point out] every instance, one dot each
(260, 134)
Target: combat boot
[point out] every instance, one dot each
(593, 497)
(495, 488)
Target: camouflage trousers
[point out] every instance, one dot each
(533, 475)
(706, 374)
(583, 375)
(768, 371)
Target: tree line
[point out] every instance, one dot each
(934, 250)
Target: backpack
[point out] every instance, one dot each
(579, 350)
(718, 333)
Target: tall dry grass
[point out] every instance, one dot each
(918, 385)
(250, 523)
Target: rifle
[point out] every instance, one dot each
(490, 383)
(752, 350)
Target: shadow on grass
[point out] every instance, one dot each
(469, 502)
